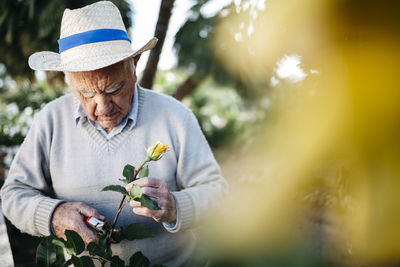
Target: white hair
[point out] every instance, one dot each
(127, 64)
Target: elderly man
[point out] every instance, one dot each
(80, 143)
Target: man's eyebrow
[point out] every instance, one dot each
(114, 87)
(84, 91)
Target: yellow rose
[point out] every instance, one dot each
(156, 151)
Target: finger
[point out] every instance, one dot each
(134, 203)
(151, 192)
(143, 211)
(87, 211)
(149, 182)
(155, 214)
(143, 182)
(88, 235)
(129, 186)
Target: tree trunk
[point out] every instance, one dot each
(161, 31)
(187, 87)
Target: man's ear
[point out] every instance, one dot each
(136, 59)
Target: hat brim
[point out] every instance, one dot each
(51, 61)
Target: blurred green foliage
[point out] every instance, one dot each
(194, 46)
(197, 50)
(224, 116)
(34, 95)
(14, 124)
(18, 106)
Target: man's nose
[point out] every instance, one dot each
(103, 104)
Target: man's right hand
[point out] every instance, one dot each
(71, 216)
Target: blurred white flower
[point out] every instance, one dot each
(218, 121)
(28, 111)
(289, 68)
(11, 110)
(274, 81)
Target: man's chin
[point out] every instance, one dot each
(109, 124)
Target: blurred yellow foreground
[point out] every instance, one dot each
(319, 184)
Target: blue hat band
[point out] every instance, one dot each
(89, 37)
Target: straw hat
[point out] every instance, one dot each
(92, 37)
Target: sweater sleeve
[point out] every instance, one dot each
(25, 193)
(198, 175)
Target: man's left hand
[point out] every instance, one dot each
(157, 190)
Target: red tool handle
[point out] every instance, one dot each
(86, 219)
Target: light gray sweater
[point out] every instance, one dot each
(61, 160)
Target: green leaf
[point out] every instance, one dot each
(147, 202)
(58, 242)
(76, 261)
(144, 172)
(91, 247)
(139, 260)
(136, 191)
(74, 242)
(158, 265)
(128, 172)
(46, 253)
(103, 242)
(87, 261)
(3, 16)
(115, 188)
(109, 252)
(138, 231)
(125, 181)
(60, 257)
(84, 261)
(99, 250)
(104, 256)
(117, 262)
(67, 263)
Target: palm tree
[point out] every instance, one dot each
(196, 50)
(193, 43)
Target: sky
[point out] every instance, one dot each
(145, 20)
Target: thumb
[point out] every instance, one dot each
(89, 211)
(129, 186)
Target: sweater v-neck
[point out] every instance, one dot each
(112, 144)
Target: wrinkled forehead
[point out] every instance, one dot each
(99, 79)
